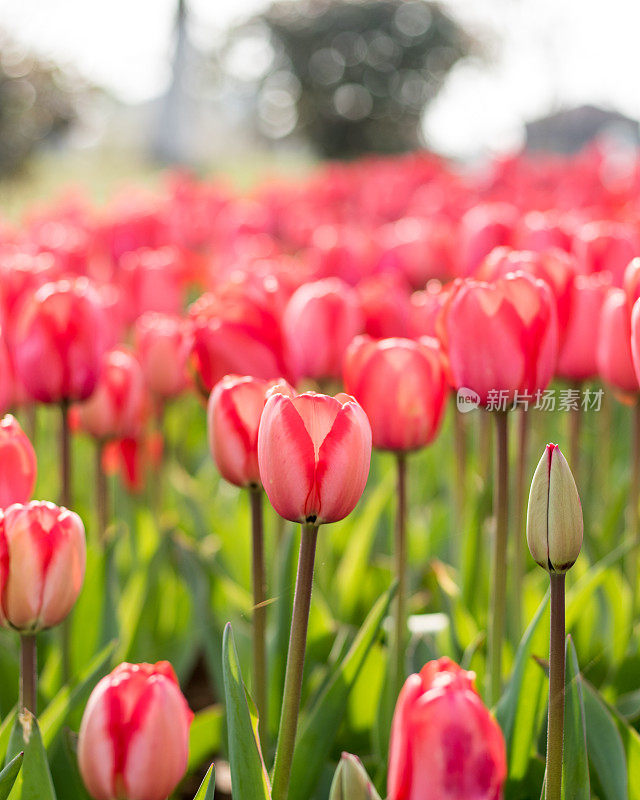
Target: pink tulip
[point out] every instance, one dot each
(606, 246)
(117, 407)
(613, 355)
(235, 333)
(501, 337)
(577, 357)
(42, 565)
(134, 736)
(635, 339)
(7, 389)
(18, 464)
(445, 745)
(313, 453)
(58, 339)
(384, 300)
(163, 344)
(319, 323)
(401, 386)
(425, 308)
(151, 281)
(233, 415)
(483, 228)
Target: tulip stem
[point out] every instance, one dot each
(65, 500)
(555, 728)
(259, 611)
(28, 673)
(102, 495)
(520, 515)
(634, 498)
(460, 477)
(65, 455)
(295, 663)
(400, 628)
(499, 581)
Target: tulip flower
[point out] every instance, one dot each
(162, 346)
(401, 386)
(7, 380)
(17, 463)
(313, 454)
(501, 337)
(606, 246)
(554, 536)
(319, 323)
(445, 744)
(42, 573)
(577, 357)
(384, 301)
(58, 339)
(233, 416)
(351, 782)
(134, 736)
(150, 279)
(613, 356)
(501, 341)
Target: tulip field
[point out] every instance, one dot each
(328, 489)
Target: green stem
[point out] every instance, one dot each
(28, 673)
(65, 455)
(259, 611)
(66, 501)
(102, 495)
(400, 626)
(522, 475)
(460, 477)
(295, 663)
(499, 581)
(555, 728)
(575, 427)
(634, 497)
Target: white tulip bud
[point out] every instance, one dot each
(554, 514)
(351, 781)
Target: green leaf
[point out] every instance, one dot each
(34, 781)
(5, 731)
(9, 774)
(318, 730)
(604, 745)
(249, 777)
(208, 786)
(519, 709)
(53, 717)
(575, 765)
(205, 735)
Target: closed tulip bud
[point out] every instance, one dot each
(117, 407)
(233, 416)
(445, 745)
(134, 735)
(314, 453)
(17, 463)
(351, 781)
(163, 345)
(58, 339)
(554, 515)
(402, 387)
(319, 323)
(42, 567)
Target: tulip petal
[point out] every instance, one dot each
(95, 748)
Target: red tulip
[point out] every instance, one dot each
(319, 323)
(233, 415)
(151, 281)
(235, 333)
(58, 340)
(501, 337)
(635, 339)
(163, 346)
(42, 566)
(425, 309)
(613, 355)
(384, 300)
(313, 453)
(577, 357)
(18, 465)
(7, 390)
(445, 745)
(134, 736)
(401, 386)
(543, 230)
(606, 246)
(483, 228)
(116, 408)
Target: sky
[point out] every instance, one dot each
(543, 54)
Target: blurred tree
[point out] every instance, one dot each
(355, 76)
(36, 103)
